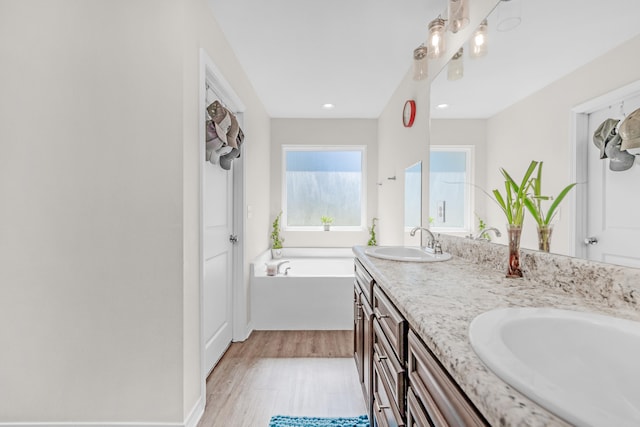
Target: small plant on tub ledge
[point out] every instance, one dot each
(326, 221)
(276, 239)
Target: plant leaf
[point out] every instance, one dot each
(533, 210)
(556, 202)
(500, 200)
(537, 189)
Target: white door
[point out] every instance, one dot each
(613, 201)
(218, 261)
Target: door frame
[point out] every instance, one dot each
(579, 143)
(211, 75)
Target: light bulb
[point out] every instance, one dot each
(420, 63)
(458, 15)
(479, 45)
(455, 69)
(436, 39)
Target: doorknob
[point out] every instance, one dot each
(233, 238)
(591, 240)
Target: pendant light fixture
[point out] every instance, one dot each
(458, 15)
(455, 69)
(420, 63)
(478, 42)
(436, 39)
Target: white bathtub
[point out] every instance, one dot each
(315, 294)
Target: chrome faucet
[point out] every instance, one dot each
(433, 245)
(481, 233)
(279, 264)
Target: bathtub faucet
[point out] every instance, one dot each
(286, 261)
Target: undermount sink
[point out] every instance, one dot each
(405, 253)
(583, 367)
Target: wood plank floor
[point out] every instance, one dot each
(306, 373)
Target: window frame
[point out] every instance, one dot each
(469, 187)
(363, 188)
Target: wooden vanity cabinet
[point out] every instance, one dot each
(403, 382)
(363, 333)
(385, 411)
(433, 394)
(389, 348)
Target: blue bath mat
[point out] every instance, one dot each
(286, 421)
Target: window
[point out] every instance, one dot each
(323, 181)
(450, 188)
(412, 196)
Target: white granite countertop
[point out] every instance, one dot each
(440, 299)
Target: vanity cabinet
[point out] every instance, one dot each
(433, 395)
(389, 348)
(363, 333)
(407, 385)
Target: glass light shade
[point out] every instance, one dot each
(420, 63)
(509, 15)
(455, 69)
(479, 45)
(458, 15)
(436, 39)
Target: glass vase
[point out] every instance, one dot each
(514, 232)
(544, 237)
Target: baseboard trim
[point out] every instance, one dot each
(191, 421)
(89, 424)
(196, 413)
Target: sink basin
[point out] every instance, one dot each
(405, 253)
(583, 367)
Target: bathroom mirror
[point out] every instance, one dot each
(494, 82)
(412, 195)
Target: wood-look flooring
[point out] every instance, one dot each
(301, 373)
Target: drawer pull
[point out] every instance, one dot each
(380, 408)
(382, 316)
(380, 358)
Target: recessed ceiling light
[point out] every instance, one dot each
(328, 106)
(442, 106)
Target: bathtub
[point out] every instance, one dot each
(315, 294)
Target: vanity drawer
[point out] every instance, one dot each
(444, 402)
(364, 280)
(391, 321)
(390, 368)
(416, 415)
(385, 411)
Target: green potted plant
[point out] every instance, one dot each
(533, 202)
(372, 233)
(326, 221)
(512, 204)
(276, 239)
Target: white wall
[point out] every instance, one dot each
(324, 132)
(538, 128)
(99, 304)
(91, 246)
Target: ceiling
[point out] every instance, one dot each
(301, 54)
